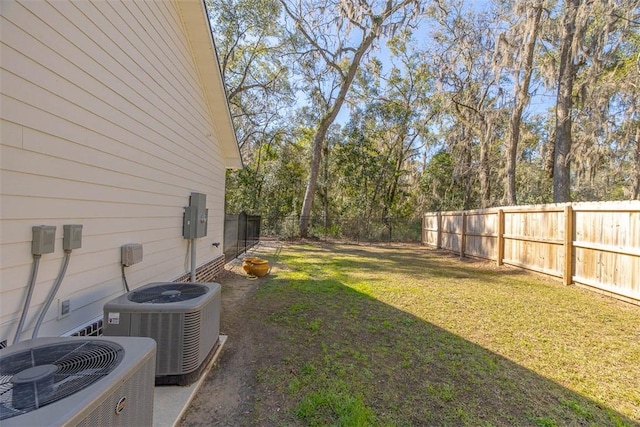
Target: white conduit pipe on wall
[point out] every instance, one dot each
(193, 260)
(27, 302)
(54, 291)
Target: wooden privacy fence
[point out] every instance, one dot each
(591, 244)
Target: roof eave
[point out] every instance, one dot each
(196, 22)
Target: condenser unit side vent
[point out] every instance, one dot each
(165, 329)
(191, 341)
(210, 326)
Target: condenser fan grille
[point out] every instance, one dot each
(37, 377)
(167, 293)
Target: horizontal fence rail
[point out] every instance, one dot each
(589, 244)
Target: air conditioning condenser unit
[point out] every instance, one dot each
(77, 381)
(183, 318)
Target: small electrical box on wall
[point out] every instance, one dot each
(195, 217)
(44, 239)
(131, 254)
(72, 236)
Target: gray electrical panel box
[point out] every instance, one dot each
(44, 239)
(131, 254)
(195, 217)
(71, 236)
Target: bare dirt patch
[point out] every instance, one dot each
(227, 396)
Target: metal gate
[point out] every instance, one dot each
(241, 232)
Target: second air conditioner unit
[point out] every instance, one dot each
(183, 318)
(77, 381)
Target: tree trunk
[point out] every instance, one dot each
(566, 77)
(522, 98)
(314, 169)
(467, 178)
(636, 169)
(485, 166)
(323, 128)
(325, 197)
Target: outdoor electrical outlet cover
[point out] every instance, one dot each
(44, 239)
(131, 253)
(65, 307)
(72, 236)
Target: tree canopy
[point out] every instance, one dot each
(387, 109)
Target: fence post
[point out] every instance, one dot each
(568, 245)
(462, 236)
(439, 230)
(500, 254)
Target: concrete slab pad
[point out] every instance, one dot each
(170, 402)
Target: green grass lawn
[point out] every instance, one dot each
(356, 336)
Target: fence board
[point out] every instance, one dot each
(430, 229)
(592, 244)
(608, 250)
(481, 229)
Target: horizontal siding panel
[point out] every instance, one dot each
(172, 34)
(20, 229)
(80, 284)
(56, 188)
(45, 208)
(84, 110)
(104, 124)
(157, 59)
(104, 249)
(10, 134)
(162, 56)
(126, 130)
(63, 159)
(159, 263)
(104, 289)
(26, 116)
(138, 106)
(16, 276)
(99, 250)
(86, 270)
(101, 54)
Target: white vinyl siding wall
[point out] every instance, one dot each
(104, 123)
